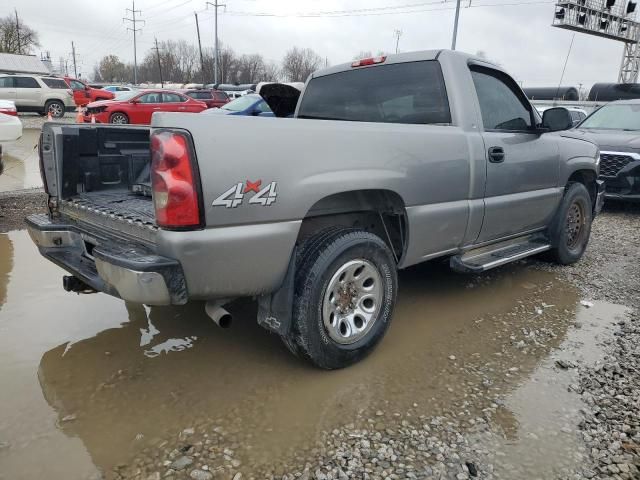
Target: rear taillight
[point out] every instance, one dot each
(174, 181)
(9, 111)
(368, 61)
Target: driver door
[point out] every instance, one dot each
(521, 191)
(145, 106)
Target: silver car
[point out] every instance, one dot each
(37, 93)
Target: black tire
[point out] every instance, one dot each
(568, 245)
(116, 115)
(319, 258)
(55, 107)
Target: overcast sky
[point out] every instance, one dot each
(511, 32)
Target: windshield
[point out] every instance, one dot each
(240, 104)
(615, 116)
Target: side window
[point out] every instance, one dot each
(6, 82)
(26, 82)
(502, 105)
(172, 98)
(76, 85)
(150, 98)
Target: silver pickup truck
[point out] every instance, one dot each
(386, 163)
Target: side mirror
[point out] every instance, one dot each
(134, 101)
(557, 119)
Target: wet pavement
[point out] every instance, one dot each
(91, 384)
(21, 166)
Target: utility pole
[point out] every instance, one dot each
(133, 21)
(18, 33)
(455, 26)
(73, 53)
(397, 34)
(200, 48)
(215, 5)
(159, 64)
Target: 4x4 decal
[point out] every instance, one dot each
(235, 195)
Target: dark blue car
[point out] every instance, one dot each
(251, 104)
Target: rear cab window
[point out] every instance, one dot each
(409, 93)
(55, 83)
(6, 82)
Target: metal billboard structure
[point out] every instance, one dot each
(612, 19)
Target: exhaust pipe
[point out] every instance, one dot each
(218, 314)
(74, 284)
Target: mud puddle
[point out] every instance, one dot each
(91, 384)
(20, 158)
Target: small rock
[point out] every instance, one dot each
(181, 463)
(452, 357)
(200, 475)
(586, 303)
(69, 418)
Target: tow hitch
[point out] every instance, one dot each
(74, 284)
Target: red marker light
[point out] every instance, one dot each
(368, 61)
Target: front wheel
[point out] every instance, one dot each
(571, 227)
(344, 296)
(119, 118)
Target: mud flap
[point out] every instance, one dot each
(274, 309)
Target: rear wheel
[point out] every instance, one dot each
(571, 227)
(119, 118)
(55, 108)
(345, 292)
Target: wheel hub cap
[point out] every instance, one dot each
(575, 221)
(352, 301)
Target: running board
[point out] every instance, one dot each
(486, 258)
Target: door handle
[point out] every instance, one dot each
(496, 154)
(156, 108)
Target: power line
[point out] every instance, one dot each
(134, 22)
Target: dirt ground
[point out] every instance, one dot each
(528, 371)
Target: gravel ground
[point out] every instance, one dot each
(14, 206)
(460, 441)
(35, 121)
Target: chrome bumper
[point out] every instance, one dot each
(130, 272)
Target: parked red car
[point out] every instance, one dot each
(84, 94)
(136, 107)
(213, 98)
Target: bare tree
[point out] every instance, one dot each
(272, 72)
(9, 34)
(112, 69)
(299, 63)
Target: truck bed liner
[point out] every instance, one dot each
(125, 206)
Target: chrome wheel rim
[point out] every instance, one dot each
(119, 118)
(55, 109)
(352, 301)
(575, 224)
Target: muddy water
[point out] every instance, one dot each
(88, 382)
(21, 169)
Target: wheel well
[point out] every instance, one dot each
(381, 212)
(588, 179)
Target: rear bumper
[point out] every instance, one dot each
(110, 265)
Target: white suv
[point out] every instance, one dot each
(37, 93)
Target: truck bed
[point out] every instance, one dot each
(119, 204)
(100, 175)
